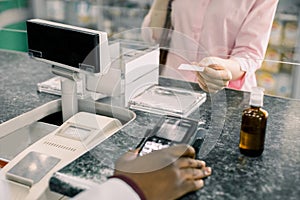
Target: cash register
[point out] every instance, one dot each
(74, 53)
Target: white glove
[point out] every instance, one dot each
(216, 74)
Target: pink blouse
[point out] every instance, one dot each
(235, 29)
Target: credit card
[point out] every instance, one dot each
(191, 67)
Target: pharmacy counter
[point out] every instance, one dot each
(274, 175)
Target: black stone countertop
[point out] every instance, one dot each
(274, 175)
(19, 76)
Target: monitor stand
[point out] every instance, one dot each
(68, 91)
(69, 98)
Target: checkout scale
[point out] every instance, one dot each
(27, 175)
(86, 123)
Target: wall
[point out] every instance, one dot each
(13, 14)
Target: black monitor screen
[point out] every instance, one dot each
(68, 46)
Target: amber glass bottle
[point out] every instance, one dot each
(254, 124)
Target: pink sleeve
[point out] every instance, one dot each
(252, 40)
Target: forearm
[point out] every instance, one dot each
(252, 40)
(158, 12)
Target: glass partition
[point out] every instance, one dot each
(111, 16)
(279, 73)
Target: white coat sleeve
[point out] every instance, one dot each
(113, 188)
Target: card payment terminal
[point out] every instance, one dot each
(171, 130)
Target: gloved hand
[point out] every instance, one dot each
(216, 74)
